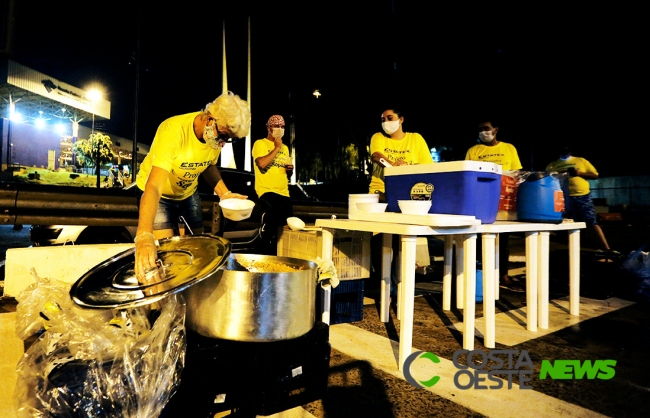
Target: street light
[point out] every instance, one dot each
(94, 95)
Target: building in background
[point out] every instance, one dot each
(40, 118)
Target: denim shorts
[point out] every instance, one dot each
(170, 211)
(581, 209)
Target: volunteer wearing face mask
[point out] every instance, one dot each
(185, 146)
(394, 147)
(273, 168)
(493, 151)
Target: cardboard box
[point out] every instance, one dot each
(468, 188)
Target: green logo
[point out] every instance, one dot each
(479, 375)
(407, 369)
(573, 369)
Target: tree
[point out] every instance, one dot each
(86, 150)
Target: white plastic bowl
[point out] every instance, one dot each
(414, 207)
(354, 199)
(372, 207)
(295, 224)
(237, 209)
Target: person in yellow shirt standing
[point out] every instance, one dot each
(394, 147)
(579, 205)
(273, 168)
(494, 151)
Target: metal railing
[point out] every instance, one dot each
(638, 196)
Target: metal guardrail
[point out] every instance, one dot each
(30, 204)
(630, 195)
(48, 205)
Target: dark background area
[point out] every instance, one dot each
(550, 74)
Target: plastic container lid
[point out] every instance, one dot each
(446, 167)
(185, 261)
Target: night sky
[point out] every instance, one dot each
(549, 74)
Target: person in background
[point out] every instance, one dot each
(394, 147)
(185, 146)
(273, 168)
(494, 151)
(579, 204)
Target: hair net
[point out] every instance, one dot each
(275, 120)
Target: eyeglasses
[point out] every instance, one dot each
(220, 135)
(225, 138)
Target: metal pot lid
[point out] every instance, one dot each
(184, 261)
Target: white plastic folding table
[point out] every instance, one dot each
(408, 236)
(463, 230)
(537, 271)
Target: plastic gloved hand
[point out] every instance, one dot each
(231, 195)
(146, 255)
(327, 273)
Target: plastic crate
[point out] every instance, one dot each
(350, 254)
(347, 302)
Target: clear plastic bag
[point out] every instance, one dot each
(96, 363)
(510, 181)
(40, 307)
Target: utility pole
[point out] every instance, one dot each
(134, 152)
(99, 181)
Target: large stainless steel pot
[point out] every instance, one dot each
(224, 300)
(241, 305)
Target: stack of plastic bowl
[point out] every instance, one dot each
(353, 199)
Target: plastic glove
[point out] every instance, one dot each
(231, 195)
(146, 255)
(327, 273)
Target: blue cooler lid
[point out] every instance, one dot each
(446, 167)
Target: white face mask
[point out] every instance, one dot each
(278, 133)
(210, 137)
(486, 136)
(390, 127)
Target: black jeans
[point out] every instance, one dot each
(277, 209)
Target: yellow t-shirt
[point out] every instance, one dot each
(274, 179)
(177, 150)
(412, 149)
(502, 153)
(577, 185)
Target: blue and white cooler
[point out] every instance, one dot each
(470, 188)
